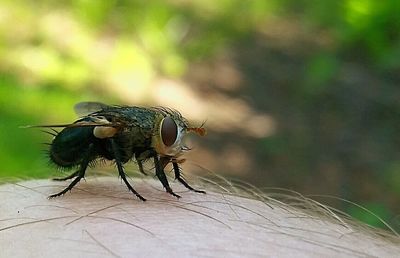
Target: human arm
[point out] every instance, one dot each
(100, 218)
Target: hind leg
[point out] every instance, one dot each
(67, 177)
(79, 174)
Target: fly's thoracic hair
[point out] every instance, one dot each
(122, 133)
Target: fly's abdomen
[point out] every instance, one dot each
(70, 145)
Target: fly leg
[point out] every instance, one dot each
(121, 170)
(80, 173)
(67, 177)
(140, 156)
(140, 164)
(177, 171)
(161, 176)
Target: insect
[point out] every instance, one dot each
(121, 133)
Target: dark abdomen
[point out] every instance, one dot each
(70, 146)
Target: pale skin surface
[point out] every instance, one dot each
(100, 218)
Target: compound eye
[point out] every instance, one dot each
(169, 131)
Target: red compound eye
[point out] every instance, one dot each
(169, 131)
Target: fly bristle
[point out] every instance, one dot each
(57, 167)
(93, 163)
(45, 152)
(101, 162)
(51, 133)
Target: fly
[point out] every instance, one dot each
(121, 133)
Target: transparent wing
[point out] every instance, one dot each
(85, 121)
(83, 109)
(86, 108)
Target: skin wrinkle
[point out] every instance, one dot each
(106, 214)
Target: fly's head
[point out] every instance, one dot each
(170, 129)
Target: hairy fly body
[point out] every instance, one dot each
(121, 133)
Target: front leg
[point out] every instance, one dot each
(177, 171)
(161, 176)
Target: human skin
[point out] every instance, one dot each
(100, 218)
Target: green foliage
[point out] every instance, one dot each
(374, 214)
(320, 70)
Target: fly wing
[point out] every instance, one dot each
(88, 121)
(85, 108)
(102, 128)
(84, 121)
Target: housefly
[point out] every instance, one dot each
(121, 134)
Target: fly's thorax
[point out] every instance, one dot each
(168, 135)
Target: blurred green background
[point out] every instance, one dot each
(296, 94)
